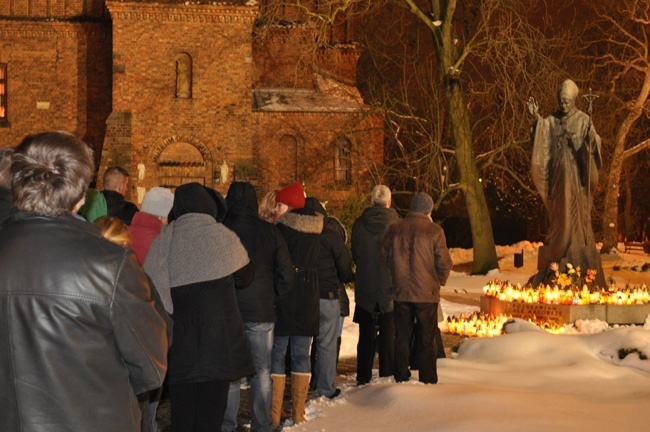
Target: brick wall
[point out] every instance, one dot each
(52, 8)
(53, 79)
(216, 118)
(284, 57)
(315, 134)
(114, 84)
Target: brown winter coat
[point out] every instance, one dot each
(416, 252)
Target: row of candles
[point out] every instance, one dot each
(506, 291)
(480, 324)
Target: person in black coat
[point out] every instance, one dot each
(273, 279)
(298, 312)
(373, 288)
(196, 263)
(344, 301)
(116, 180)
(334, 269)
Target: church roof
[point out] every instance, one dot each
(196, 2)
(299, 100)
(329, 96)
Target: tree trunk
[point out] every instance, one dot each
(485, 255)
(610, 212)
(630, 233)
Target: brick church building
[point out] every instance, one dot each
(179, 91)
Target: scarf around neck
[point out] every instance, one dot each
(193, 248)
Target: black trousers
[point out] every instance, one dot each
(376, 334)
(423, 316)
(198, 407)
(439, 348)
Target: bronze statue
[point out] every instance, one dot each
(564, 167)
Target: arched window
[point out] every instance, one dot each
(342, 161)
(183, 76)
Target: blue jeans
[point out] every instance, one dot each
(299, 354)
(260, 339)
(339, 328)
(154, 400)
(325, 371)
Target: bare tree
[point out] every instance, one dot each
(618, 43)
(483, 58)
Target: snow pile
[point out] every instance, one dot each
(595, 379)
(524, 381)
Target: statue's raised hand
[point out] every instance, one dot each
(533, 107)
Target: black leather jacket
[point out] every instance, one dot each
(81, 332)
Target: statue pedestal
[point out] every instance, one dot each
(567, 314)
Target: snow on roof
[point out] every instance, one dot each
(299, 100)
(196, 2)
(329, 96)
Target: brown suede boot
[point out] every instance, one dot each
(279, 381)
(299, 391)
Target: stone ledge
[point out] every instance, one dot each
(567, 314)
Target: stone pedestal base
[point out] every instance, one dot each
(566, 314)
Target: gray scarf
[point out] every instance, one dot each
(193, 248)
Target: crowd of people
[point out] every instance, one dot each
(105, 304)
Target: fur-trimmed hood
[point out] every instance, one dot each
(302, 220)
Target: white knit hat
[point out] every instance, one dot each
(158, 201)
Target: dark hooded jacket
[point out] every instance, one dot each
(267, 251)
(334, 259)
(297, 313)
(372, 286)
(196, 263)
(117, 206)
(335, 224)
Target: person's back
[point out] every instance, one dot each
(372, 280)
(273, 279)
(298, 314)
(148, 222)
(334, 268)
(417, 256)
(196, 263)
(115, 187)
(267, 250)
(373, 288)
(334, 261)
(82, 328)
(416, 251)
(94, 207)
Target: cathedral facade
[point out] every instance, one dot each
(178, 91)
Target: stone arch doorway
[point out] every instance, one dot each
(181, 160)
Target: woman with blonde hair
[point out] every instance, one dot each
(267, 210)
(114, 230)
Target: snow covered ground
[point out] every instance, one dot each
(522, 381)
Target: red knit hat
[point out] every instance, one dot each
(293, 196)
